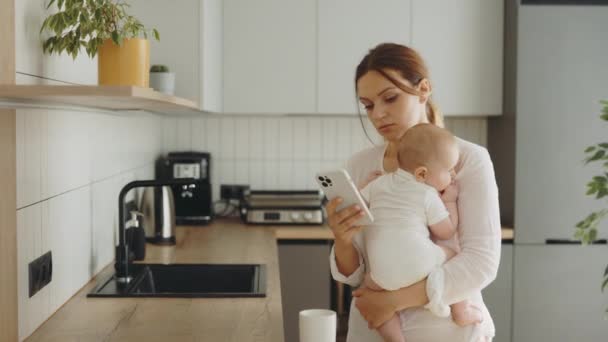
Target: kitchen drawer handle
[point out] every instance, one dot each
(572, 242)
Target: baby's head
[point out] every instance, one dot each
(430, 153)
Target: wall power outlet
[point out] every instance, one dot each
(40, 272)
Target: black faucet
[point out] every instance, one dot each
(123, 260)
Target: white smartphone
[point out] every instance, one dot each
(339, 184)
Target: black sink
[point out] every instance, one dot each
(188, 281)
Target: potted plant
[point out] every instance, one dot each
(586, 230)
(161, 79)
(101, 27)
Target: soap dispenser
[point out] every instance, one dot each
(136, 236)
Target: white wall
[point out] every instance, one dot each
(272, 152)
(70, 168)
(178, 48)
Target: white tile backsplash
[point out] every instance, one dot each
(271, 138)
(71, 166)
(32, 311)
(69, 232)
(199, 135)
(241, 138)
(228, 138)
(300, 135)
(270, 152)
(286, 139)
(68, 144)
(256, 139)
(315, 141)
(184, 134)
(212, 134)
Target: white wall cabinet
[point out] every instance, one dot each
(299, 56)
(190, 45)
(498, 296)
(347, 30)
(557, 293)
(462, 44)
(269, 56)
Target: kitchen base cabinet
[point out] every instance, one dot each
(305, 280)
(498, 296)
(556, 294)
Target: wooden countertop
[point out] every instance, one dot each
(190, 319)
(183, 319)
(323, 233)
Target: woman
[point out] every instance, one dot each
(393, 85)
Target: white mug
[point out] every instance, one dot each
(317, 325)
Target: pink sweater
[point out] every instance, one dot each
(463, 276)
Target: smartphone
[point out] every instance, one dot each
(339, 184)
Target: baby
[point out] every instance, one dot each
(409, 215)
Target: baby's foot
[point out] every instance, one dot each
(467, 316)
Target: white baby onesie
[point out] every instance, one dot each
(399, 248)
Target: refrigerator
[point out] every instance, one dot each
(562, 74)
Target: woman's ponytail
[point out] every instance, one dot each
(433, 113)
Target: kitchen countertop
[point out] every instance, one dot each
(190, 319)
(182, 319)
(323, 233)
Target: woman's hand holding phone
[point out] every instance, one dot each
(343, 222)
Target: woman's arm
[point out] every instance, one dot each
(347, 257)
(345, 260)
(377, 307)
(476, 265)
(470, 270)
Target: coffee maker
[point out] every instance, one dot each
(193, 202)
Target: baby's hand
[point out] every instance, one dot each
(373, 175)
(450, 194)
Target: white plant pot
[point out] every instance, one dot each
(163, 82)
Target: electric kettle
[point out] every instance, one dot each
(158, 208)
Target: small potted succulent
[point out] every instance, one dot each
(101, 27)
(162, 80)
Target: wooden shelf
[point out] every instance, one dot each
(115, 98)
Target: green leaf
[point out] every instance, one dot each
(604, 116)
(115, 38)
(589, 149)
(156, 34)
(50, 4)
(598, 154)
(592, 234)
(604, 284)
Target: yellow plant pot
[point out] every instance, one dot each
(127, 64)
